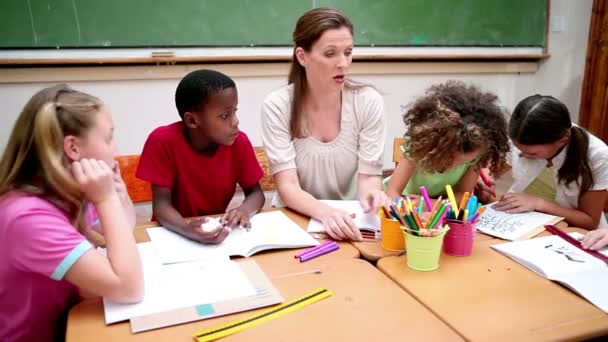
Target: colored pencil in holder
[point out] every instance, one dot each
(426, 197)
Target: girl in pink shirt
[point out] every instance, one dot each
(58, 170)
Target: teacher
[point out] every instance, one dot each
(323, 133)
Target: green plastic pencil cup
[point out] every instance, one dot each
(423, 252)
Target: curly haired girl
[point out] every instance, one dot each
(451, 132)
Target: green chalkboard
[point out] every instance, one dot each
(167, 23)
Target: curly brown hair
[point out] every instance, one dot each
(455, 118)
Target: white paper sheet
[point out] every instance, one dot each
(181, 285)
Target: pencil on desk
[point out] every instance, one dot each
(329, 245)
(319, 253)
(293, 274)
(313, 248)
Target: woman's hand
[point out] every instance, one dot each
(340, 225)
(373, 200)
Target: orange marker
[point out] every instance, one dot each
(417, 220)
(463, 201)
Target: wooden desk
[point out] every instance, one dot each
(373, 251)
(489, 297)
(365, 305)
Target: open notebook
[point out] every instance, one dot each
(186, 292)
(514, 227)
(270, 230)
(365, 221)
(174, 286)
(554, 258)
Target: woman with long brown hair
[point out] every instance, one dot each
(324, 134)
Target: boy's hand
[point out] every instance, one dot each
(236, 217)
(198, 232)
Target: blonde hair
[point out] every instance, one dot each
(34, 158)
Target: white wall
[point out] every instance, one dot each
(561, 75)
(140, 105)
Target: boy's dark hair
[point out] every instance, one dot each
(456, 118)
(194, 89)
(538, 120)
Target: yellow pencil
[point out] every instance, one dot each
(448, 189)
(408, 203)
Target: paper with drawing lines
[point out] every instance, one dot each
(514, 226)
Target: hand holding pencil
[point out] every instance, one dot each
(485, 189)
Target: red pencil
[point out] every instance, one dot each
(486, 181)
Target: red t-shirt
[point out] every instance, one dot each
(201, 185)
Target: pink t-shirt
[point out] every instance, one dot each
(38, 245)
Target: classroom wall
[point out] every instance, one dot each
(145, 101)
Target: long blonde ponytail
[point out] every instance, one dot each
(34, 156)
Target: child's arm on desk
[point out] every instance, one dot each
(239, 216)
(171, 219)
(586, 216)
(596, 239)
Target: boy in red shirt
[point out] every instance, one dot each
(194, 164)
